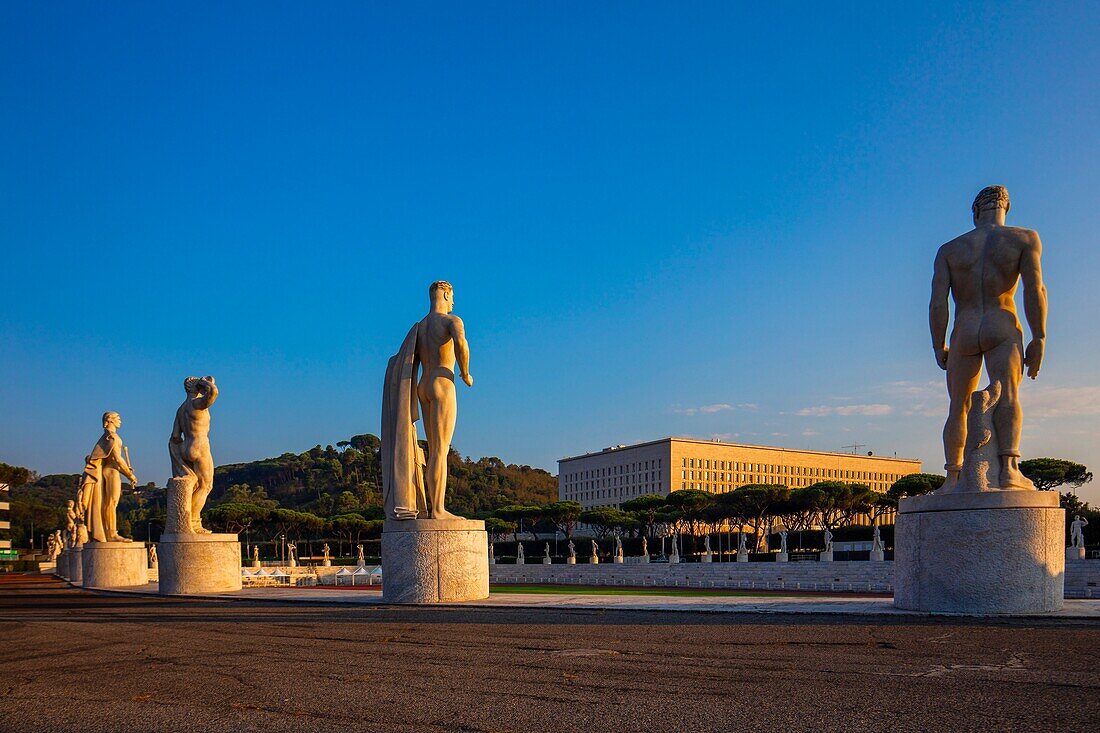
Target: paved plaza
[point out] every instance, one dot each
(125, 662)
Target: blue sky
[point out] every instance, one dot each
(691, 219)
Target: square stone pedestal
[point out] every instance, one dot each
(546, 561)
(593, 560)
(742, 557)
(434, 561)
(617, 560)
(198, 563)
(645, 559)
(980, 553)
(878, 556)
(570, 561)
(114, 564)
(825, 556)
(706, 557)
(781, 557)
(1075, 553)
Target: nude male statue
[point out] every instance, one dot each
(980, 271)
(1077, 531)
(189, 444)
(103, 473)
(440, 341)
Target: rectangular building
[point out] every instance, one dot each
(6, 553)
(620, 473)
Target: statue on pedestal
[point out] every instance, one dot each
(783, 541)
(519, 553)
(876, 541)
(70, 522)
(362, 560)
(618, 547)
(595, 549)
(645, 547)
(52, 550)
(828, 540)
(980, 271)
(326, 558)
(741, 543)
(102, 481)
(674, 555)
(1077, 531)
(192, 464)
(255, 556)
(292, 554)
(420, 380)
(546, 553)
(706, 545)
(152, 556)
(572, 550)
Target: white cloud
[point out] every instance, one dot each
(1060, 401)
(711, 409)
(845, 410)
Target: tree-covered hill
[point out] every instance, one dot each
(348, 477)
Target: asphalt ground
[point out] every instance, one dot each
(74, 660)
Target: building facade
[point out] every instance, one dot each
(621, 473)
(6, 552)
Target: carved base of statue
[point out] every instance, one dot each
(980, 553)
(520, 561)
(644, 559)
(570, 561)
(706, 557)
(742, 556)
(617, 560)
(492, 560)
(781, 557)
(199, 563)
(1075, 553)
(878, 556)
(593, 560)
(434, 560)
(546, 561)
(825, 556)
(114, 564)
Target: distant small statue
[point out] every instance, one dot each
(546, 554)
(674, 555)
(783, 542)
(706, 545)
(152, 556)
(291, 554)
(572, 550)
(741, 543)
(876, 541)
(519, 553)
(1077, 531)
(595, 549)
(492, 554)
(645, 547)
(70, 519)
(828, 540)
(362, 560)
(326, 557)
(255, 556)
(618, 547)
(51, 547)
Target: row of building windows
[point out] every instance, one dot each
(834, 473)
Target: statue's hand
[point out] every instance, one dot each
(468, 379)
(1033, 357)
(941, 358)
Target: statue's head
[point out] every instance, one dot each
(70, 503)
(990, 197)
(191, 386)
(442, 292)
(111, 420)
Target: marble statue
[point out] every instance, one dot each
(519, 553)
(706, 545)
(618, 547)
(980, 271)
(70, 521)
(1077, 531)
(546, 552)
(153, 556)
(361, 560)
(192, 463)
(783, 541)
(741, 543)
(102, 479)
(492, 554)
(255, 556)
(572, 550)
(674, 554)
(292, 554)
(828, 540)
(876, 541)
(645, 547)
(51, 547)
(420, 380)
(325, 553)
(595, 549)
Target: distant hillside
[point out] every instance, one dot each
(348, 477)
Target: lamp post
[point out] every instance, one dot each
(282, 549)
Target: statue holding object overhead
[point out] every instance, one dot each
(192, 464)
(420, 380)
(102, 481)
(1077, 531)
(980, 271)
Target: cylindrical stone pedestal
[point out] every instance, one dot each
(434, 561)
(114, 564)
(75, 566)
(199, 563)
(61, 565)
(980, 553)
